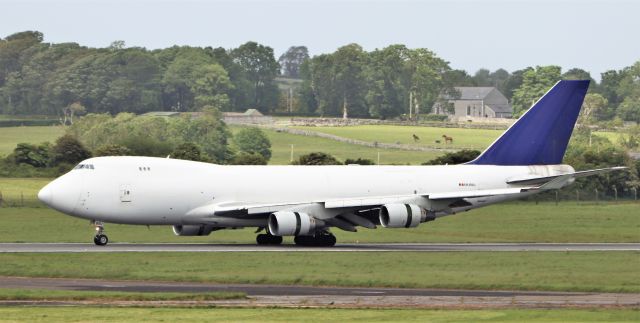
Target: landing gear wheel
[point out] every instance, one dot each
(100, 240)
(268, 239)
(320, 239)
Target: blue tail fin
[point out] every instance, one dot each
(541, 135)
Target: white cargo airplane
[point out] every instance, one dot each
(306, 201)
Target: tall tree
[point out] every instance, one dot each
(261, 69)
(576, 74)
(592, 106)
(609, 83)
(211, 87)
(292, 59)
(536, 82)
(428, 78)
(180, 77)
(514, 82)
(388, 81)
(629, 91)
(13, 49)
(348, 69)
(322, 85)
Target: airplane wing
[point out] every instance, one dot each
(530, 183)
(247, 209)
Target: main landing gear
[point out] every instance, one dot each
(268, 239)
(320, 239)
(100, 239)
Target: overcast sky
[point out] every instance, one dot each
(594, 35)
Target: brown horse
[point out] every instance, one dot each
(447, 139)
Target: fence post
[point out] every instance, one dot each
(556, 197)
(577, 196)
(615, 193)
(1, 199)
(21, 199)
(596, 196)
(635, 194)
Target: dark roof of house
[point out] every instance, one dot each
(473, 93)
(500, 108)
(162, 113)
(248, 113)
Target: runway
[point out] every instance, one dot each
(308, 296)
(370, 247)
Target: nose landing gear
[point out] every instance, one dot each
(100, 239)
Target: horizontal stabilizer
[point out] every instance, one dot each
(537, 180)
(478, 193)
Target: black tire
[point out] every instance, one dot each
(101, 240)
(262, 239)
(319, 240)
(329, 240)
(302, 241)
(275, 240)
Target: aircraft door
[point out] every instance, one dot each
(125, 193)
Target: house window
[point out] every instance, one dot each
(468, 110)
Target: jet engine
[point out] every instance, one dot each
(402, 215)
(192, 230)
(285, 223)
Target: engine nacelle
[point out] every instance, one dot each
(402, 215)
(285, 223)
(192, 230)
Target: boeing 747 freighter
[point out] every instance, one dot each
(307, 202)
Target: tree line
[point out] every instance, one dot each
(38, 78)
(47, 79)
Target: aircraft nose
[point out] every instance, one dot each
(62, 194)
(45, 195)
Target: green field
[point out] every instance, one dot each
(510, 222)
(10, 136)
(462, 138)
(281, 141)
(550, 271)
(164, 314)
(281, 150)
(21, 191)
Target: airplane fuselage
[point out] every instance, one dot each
(160, 191)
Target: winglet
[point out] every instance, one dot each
(541, 135)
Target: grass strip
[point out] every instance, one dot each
(138, 314)
(545, 271)
(510, 222)
(66, 295)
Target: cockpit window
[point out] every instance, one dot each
(84, 166)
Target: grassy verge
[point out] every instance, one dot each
(21, 191)
(462, 137)
(10, 136)
(511, 222)
(63, 295)
(81, 314)
(551, 271)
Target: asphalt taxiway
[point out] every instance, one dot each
(378, 247)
